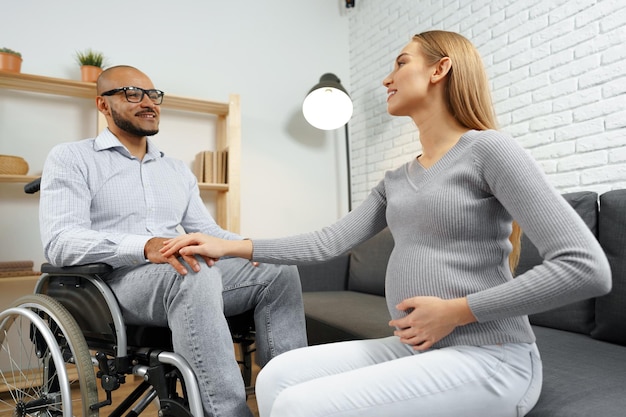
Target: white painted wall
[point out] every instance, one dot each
(270, 52)
(558, 76)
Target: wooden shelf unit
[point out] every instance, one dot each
(228, 134)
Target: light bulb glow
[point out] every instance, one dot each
(327, 108)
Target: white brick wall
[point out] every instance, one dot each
(557, 71)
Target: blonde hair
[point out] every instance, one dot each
(467, 93)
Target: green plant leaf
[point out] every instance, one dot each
(90, 57)
(10, 51)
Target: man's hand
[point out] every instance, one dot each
(153, 253)
(429, 320)
(208, 247)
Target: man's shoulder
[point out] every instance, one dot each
(78, 145)
(72, 150)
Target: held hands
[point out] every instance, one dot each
(187, 246)
(429, 320)
(208, 247)
(153, 252)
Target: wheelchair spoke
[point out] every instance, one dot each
(30, 381)
(21, 376)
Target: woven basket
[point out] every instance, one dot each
(13, 165)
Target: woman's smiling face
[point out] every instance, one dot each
(408, 83)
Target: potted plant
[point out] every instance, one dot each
(10, 60)
(91, 64)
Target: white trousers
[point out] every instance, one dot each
(385, 378)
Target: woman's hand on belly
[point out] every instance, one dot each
(430, 319)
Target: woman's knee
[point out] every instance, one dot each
(276, 370)
(279, 373)
(292, 402)
(266, 385)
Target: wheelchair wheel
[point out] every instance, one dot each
(28, 365)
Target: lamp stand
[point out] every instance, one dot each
(348, 169)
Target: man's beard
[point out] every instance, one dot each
(129, 127)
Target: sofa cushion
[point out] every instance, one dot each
(611, 308)
(579, 316)
(330, 275)
(583, 377)
(333, 316)
(368, 264)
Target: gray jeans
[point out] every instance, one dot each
(194, 307)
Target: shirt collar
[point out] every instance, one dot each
(107, 140)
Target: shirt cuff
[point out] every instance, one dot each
(131, 250)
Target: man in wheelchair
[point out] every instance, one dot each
(116, 198)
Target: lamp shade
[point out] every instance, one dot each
(327, 106)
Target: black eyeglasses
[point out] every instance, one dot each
(135, 94)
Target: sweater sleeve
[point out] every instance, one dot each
(574, 266)
(357, 226)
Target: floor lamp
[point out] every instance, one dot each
(328, 106)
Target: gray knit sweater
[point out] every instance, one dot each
(451, 223)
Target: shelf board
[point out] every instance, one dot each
(212, 186)
(48, 85)
(72, 88)
(18, 178)
(23, 278)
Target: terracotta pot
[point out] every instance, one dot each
(89, 73)
(10, 62)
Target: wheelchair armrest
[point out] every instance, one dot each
(33, 186)
(87, 269)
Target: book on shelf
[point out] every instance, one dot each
(16, 265)
(225, 167)
(222, 167)
(198, 166)
(210, 166)
(204, 166)
(17, 269)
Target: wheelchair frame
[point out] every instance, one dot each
(73, 317)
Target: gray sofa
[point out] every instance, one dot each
(583, 345)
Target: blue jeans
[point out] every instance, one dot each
(383, 377)
(195, 307)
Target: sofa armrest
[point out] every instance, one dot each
(325, 276)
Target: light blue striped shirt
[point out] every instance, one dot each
(101, 204)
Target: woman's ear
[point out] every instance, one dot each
(442, 68)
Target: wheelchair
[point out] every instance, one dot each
(59, 341)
